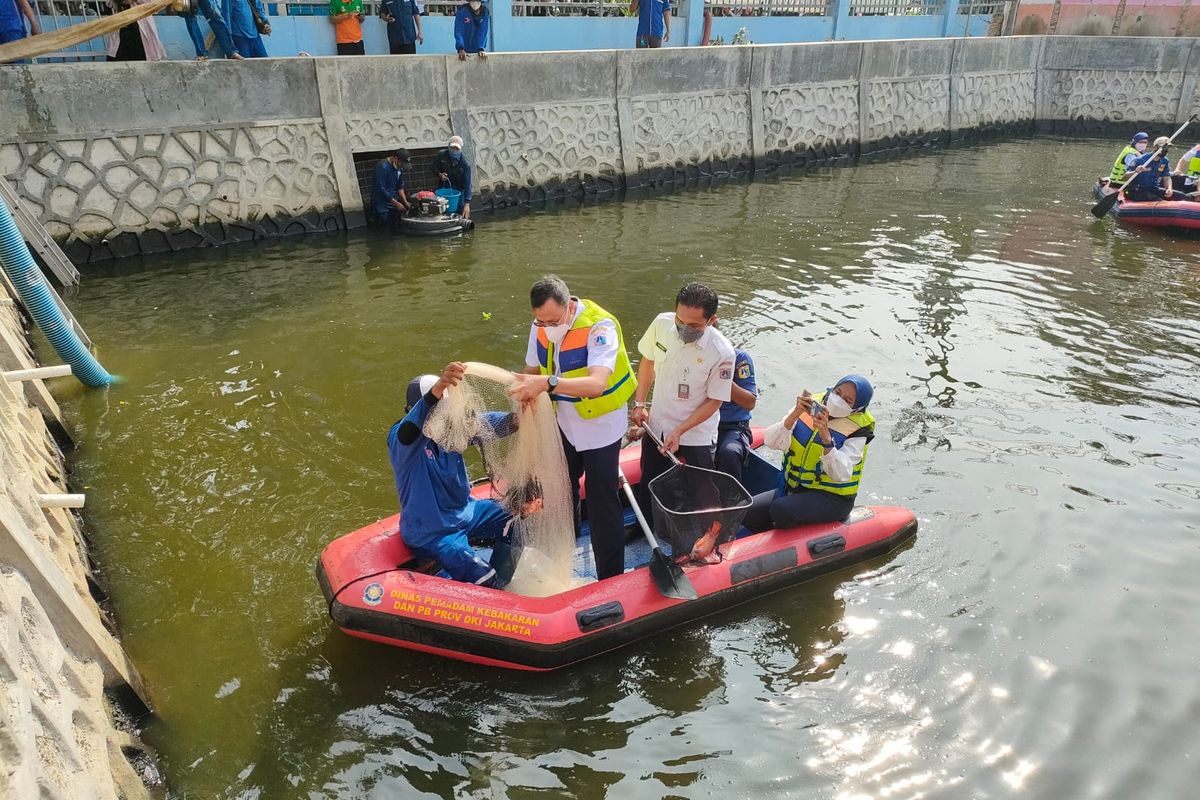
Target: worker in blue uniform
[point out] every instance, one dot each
(1153, 179)
(438, 516)
(389, 200)
(733, 430)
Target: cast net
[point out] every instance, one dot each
(523, 459)
(697, 509)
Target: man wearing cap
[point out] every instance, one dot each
(1153, 181)
(438, 516)
(1127, 157)
(577, 355)
(453, 170)
(388, 199)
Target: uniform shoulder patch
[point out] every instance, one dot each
(743, 370)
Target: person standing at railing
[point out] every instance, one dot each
(212, 13)
(471, 23)
(12, 27)
(403, 19)
(654, 21)
(137, 41)
(247, 25)
(347, 17)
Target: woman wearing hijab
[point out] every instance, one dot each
(824, 440)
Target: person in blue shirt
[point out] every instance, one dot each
(454, 170)
(654, 21)
(211, 12)
(438, 516)
(733, 431)
(403, 20)
(12, 26)
(1153, 179)
(388, 198)
(471, 23)
(245, 17)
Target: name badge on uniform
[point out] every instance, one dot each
(685, 391)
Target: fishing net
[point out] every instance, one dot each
(523, 459)
(697, 509)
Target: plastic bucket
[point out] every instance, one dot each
(453, 197)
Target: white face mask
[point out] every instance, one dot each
(555, 333)
(475, 6)
(837, 406)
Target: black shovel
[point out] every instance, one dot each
(668, 576)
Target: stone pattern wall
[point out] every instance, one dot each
(537, 125)
(538, 145)
(1113, 95)
(908, 110)
(994, 99)
(678, 131)
(371, 133)
(819, 116)
(149, 191)
(57, 739)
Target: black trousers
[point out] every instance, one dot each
(733, 445)
(805, 507)
(599, 470)
(649, 41)
(401, 49)
(655, 463)
(351, 48)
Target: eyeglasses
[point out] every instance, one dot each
(566, 317)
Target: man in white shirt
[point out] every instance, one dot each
(576, 353)
(689, 363)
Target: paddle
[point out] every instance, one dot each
(668, 576)
(1106, 204)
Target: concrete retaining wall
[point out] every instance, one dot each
(127, 158)
(57, 737)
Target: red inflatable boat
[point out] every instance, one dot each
(373, 592)
(1177, 214)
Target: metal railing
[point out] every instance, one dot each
(58, 14)
(772, 8)
(571, 8)
(985, 9)
(895, 8)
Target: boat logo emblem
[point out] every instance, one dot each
(373, 594)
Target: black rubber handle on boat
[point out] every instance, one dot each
(1105, 205)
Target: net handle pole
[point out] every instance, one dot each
(637, 510)
(659, 445)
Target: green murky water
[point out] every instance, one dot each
(1036, 377)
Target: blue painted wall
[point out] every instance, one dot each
(314, 35)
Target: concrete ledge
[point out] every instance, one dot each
(222, 152)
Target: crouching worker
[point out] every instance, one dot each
(438, 516)
(825, 442)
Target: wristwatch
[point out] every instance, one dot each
(551, 383)
(640, 404)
